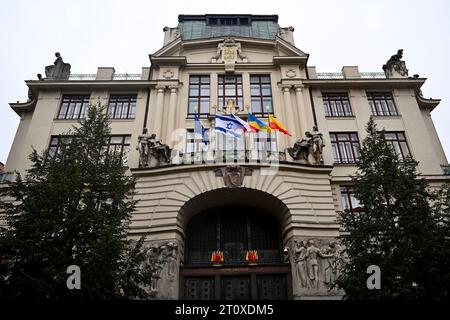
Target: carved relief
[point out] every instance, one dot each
(165, 280)
(233, 176)
(168, 74)
(228, 52)
(290, 73)
(315, 266)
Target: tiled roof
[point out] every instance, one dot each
(259, 27)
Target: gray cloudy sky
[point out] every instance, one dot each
(121, 34)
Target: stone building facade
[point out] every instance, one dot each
(273, 193)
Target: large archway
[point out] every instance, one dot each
(234, 222)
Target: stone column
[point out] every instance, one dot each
(171, 118)
(303, 115)
(290, 124)
(158, 115)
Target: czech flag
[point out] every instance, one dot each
(256, 124)
(276, 125)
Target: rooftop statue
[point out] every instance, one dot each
(395, 65)
(59, 70)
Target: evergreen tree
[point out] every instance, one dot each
(73, 208)
(398, 229)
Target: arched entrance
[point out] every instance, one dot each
(233, 230)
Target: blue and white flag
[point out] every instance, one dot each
(200, 130)
(229, 125)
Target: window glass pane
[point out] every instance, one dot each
(266, 90)
(268, 108)
(265, 79)
(256, 106)
(116, 140)
(204, 106)
(204, 90)
(193, 79)
(254, 90)
(193, 90)
(193, 106)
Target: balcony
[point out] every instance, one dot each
(231, 156)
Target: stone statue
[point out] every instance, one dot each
(317, 145)
(395, 64)
(143, 147)
(158, 150)
(300, 262)
(301, 148)
(310, 145)
(59, 70)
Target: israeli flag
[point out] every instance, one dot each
(229, 126)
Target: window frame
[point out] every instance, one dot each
(199, 97)
(222, 98)
(261, 97)
(85, 98)
(107, 146)
(377, 108)
(398, 141)
(348, 193)
(339, 142)
(327, 99)
(131, 110)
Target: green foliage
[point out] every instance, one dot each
(399, 228)
(72, 209)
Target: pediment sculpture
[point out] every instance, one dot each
(228, 52)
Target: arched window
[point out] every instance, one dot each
(233, 230)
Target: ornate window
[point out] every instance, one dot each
(230, 87)
(336, 104)
(122, 106)
(73, 107)
(398, 142)
(382, 104)
(233, 230)
(345, 147)
(199, 96)
(261, 93)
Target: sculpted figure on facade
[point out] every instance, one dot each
(308, 149)
(233, 175)
(59, 70)
(315, 266)
(166, 255)
(143, 147)
(300, 262)
(229, 51)
(395, 65)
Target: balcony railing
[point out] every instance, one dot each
(340, 75)
(330, 75)
(372, 75)
(232, 156)
(116, 76)
(82, 76)
(127, 76)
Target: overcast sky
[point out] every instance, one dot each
(121, 34)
